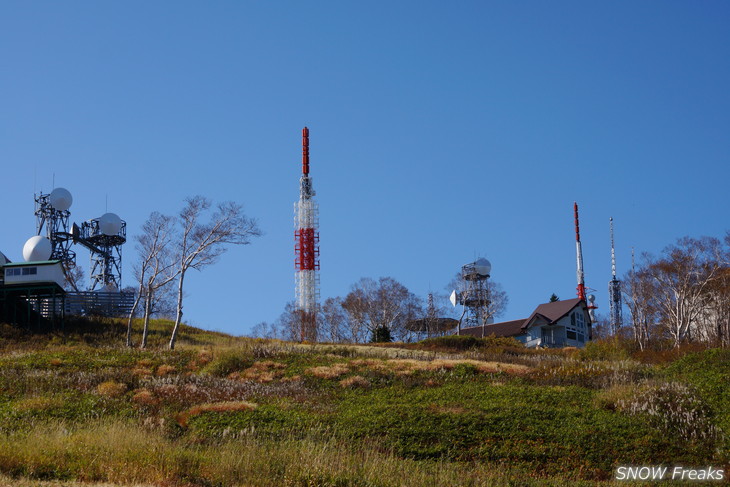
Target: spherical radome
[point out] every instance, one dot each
(483, 266)
(591, 298)
(37, 248)
(61, 199)
(110, 224)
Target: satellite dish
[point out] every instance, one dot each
(452, 298)
(37, 248)
(110, 224)
(75, 232)
(61, 199)
(483, 267)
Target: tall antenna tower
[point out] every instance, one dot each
(614, 290)
(581, 288)
(579, 257)
(306, 249)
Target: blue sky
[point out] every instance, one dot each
(439, 132)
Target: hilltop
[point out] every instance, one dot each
(222, 410)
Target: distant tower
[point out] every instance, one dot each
(614, 291)
(104, 237)
(579, 268)
(306, 249)
(475, 294)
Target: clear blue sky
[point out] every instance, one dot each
(440, 131)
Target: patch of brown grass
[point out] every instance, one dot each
(111, 389)
(216, 407)
(263, 372)
(142, 371)
(143, 397)
(329, 372)
(165, 369)
(354, 382)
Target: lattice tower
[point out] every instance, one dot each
(306, 249)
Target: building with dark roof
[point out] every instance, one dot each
(557, 324)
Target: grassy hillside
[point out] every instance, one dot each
(78, 407)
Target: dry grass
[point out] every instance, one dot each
(262, 372)
(165, 369)
(143, 397)
(329, 372)
(111, 389)
(107, 454)
(355, 381)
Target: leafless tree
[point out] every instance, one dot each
(333, 322)
(73, 275)
(201, 243)
(384, 303)
(638, 291)
(155, 270)
(266, 330)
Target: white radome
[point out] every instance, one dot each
(37, 248)
(61, 199)
(110, 224)
(483, 267)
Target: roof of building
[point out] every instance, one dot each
(504, 329)
(552, 312)
(40, 262)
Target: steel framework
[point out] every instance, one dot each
(57, 229)
(614, 291)
(106, 254)
(306, 249)
(475, 296)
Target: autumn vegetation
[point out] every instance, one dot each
(80, 407)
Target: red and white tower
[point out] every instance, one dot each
(579, 269)
(306, 249)
(579, 257)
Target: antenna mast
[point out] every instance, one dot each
(579, 257)
(614, 289)
(306, 249)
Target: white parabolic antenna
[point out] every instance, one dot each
(37, 248)
(110, 224)
(61, 199)
(452, 298)
(483, 267)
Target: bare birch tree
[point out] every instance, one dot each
(155, 269)
(681, 283)
(201, 243)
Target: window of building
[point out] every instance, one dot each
(571, 335)
(30, 271)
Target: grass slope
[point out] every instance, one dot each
(77, 407)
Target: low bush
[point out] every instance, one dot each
(229, 361)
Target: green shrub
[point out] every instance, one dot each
(228, 362)
(608, 349)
